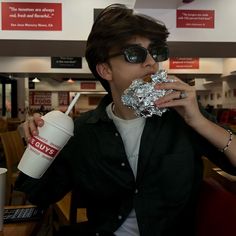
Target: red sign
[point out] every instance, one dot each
(195, 18)
(42, 147)
(40, 98)
(184, 63)
(88, 85)
(31, 16)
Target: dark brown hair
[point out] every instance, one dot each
(114, 26)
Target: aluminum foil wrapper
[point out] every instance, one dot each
(140, 95)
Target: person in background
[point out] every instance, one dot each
(209, 108)
(137, 176)
(42, 110)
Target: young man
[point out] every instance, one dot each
(137, 176)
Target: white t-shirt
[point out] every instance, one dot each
(131, 132)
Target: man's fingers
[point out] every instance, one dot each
(31, 125)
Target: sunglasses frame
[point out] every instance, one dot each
(143, 57)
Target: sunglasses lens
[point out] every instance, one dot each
(135, 54)
(159, 54)
(138, 54)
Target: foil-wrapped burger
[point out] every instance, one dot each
(141, 95)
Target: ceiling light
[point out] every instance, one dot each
(36, 80)
(70, 80)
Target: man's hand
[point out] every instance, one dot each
(31, 125)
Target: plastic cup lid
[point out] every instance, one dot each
(60, 120)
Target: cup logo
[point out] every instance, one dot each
(43, 147)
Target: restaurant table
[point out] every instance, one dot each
(226, 180)
(19, 229)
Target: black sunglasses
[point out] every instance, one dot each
(138, 54)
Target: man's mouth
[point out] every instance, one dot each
(147, 78)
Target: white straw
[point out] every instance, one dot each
(72, 103)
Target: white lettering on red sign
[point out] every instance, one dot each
(43, 147)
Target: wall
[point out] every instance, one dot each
(79, 15)
(35, 65)
(229, 66)
(43, 65)
(209, 92)
(75, 15)
(217, 93)
(229, 93)
(224, 16)
(213, 92)
(53, 86)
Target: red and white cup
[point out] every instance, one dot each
(42, 149)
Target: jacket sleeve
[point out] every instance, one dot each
(52, 186)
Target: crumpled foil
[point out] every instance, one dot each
(140, 95)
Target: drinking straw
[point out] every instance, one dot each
(72, 103)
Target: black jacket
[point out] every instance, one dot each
(94, 161)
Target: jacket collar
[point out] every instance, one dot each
(100, 112)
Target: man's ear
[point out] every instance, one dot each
(104, 70)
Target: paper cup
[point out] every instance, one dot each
(3, 173)
(42, 149)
